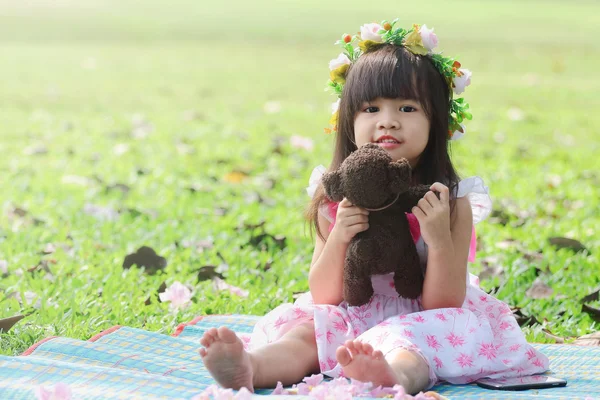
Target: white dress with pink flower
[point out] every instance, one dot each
(460, 345)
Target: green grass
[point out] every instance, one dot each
(75, 76)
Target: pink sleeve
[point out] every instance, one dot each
(332, 209)
(473, 245)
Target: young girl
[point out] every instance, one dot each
(395, 91)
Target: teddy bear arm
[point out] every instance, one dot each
(412, 197)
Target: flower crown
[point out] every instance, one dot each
(418, 40)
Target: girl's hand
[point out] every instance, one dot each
(349, 220)
(433, 215)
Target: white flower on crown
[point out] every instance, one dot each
(370, 32)
(335, 106)
(461, 82)
(458, 134)
(430, 40)
(341, 60)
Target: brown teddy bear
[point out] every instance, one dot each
(369, 179)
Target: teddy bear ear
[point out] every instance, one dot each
(400, 175)
(333, 186)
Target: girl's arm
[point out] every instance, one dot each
(446, 275)
(325, 278)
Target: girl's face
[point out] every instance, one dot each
(399, 126)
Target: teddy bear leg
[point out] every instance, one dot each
(409, 277)
(357, 285)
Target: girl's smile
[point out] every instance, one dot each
(388, 142)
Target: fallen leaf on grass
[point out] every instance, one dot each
(522, 319)
(208, 272)
(35, 150)
(594, 296)
(18, 212)
(556, 338)
(28, 299)
(198, 245)
(251, 227)
(235, 177)
(593, 339)
(101, 213)
(593, 312)
(278, 145)
(119, 187)
(145, 257)
(42, 266)
(161, 288)
(539, 290)
(265, 240)
(491, 268)
(7, 323)
(566, 243)
(49, 249)
(76, 180)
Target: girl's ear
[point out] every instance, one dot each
(399, 173)
(333, 186)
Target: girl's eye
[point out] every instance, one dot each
(371, 109)
(407, 109)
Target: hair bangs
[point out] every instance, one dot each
(389, 72)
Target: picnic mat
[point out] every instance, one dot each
(126, 363)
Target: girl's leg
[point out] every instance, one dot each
(411, 368)
(403, 367)
(287, 360)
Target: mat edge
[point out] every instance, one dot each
(104, 333)
(194, 321)
(34, 346)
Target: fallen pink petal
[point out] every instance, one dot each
(220, 284)
(178, 294)
(60, 391)
(301, 142)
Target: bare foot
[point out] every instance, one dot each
(226, 360)
(359, 361)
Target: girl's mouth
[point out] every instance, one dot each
(388, 142)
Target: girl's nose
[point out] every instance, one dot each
(388, 123)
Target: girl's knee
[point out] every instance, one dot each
(413, 365)
(304, 332)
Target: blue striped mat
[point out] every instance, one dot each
(126, 363)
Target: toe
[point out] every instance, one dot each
(343, 356)
(367, 348)
(211, 333)
(351, 345)
(227, 335)
(378, 355)
(202, 352)
(205, 341)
